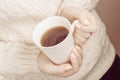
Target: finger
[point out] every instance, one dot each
(93, 22)
(75, 65)
(78, 35)
(80, 38)
(77, 42)
(83, 18)
(78, 48)
(46, 66)
(89, 21)
(86, 18)
(42, 66)
(81, 32)
(77, 52)
(84, 28)
(42, 58)
(88, 29)
(75, 62)
(58, 69)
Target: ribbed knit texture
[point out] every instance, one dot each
(18, 54)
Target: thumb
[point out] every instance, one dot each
(58, 69)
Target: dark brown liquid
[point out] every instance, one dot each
(54, 36)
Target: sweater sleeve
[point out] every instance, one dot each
(85, 4)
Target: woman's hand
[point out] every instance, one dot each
(63, 70)
(85, 26)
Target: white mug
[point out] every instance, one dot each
(60, 52)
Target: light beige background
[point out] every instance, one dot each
(109, 11)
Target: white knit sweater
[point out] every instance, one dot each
(18, 54)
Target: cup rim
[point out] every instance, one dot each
(39, 45)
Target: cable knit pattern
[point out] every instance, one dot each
(18, 54)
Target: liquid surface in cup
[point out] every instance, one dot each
(54, 36)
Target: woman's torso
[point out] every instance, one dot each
(18, 18)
